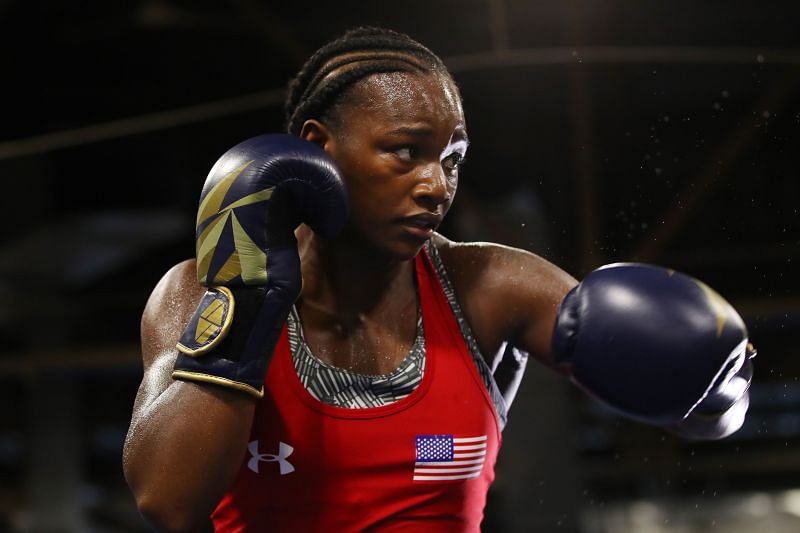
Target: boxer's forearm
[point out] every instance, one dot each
(183, 450)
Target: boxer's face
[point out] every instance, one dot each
(399, 141)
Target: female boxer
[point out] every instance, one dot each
(342, 381)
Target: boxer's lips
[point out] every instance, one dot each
(422, 225)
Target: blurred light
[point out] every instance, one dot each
(789, 502)
(644, 514)
(757, 505)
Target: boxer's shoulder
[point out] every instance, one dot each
(496, 267)
(169, 307)
(503, 290)
(175, 288)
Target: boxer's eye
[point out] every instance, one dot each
(452, 162)
(406, 153)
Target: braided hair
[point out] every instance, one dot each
(318, 88)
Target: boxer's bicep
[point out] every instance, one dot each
(532, 292)
(170, 417)
(507, 294)
(166, 313)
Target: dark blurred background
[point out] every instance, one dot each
(665, 132)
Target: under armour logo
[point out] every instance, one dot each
(284, 451)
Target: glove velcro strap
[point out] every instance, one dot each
(218, 349)
(186, 375)
(210, 322)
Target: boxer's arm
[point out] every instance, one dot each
(511, 295)
(186, 440)
(658, 346)
(507, 294)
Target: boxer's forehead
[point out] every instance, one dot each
(427, 100)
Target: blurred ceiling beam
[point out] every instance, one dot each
(714, 172)
(564, 55)
(489, 60)
(150, 122)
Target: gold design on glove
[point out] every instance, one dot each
(247, 260)
(206, 245)
(717, 303)
(211, 203)
(210, 321)
(185, 375)
(213, 321)
(252, 259)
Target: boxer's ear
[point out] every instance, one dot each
(316, 132)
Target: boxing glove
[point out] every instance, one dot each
(255, 196)
(722, 411)
(656, 345)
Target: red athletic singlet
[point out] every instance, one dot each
(423, 463)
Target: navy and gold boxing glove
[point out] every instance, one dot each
(255, 196)
(658, 346)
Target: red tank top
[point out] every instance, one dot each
(424, 462)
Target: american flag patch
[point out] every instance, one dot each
(444, 457)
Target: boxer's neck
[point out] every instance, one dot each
(347, 279)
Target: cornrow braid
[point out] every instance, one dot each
(347, 59)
